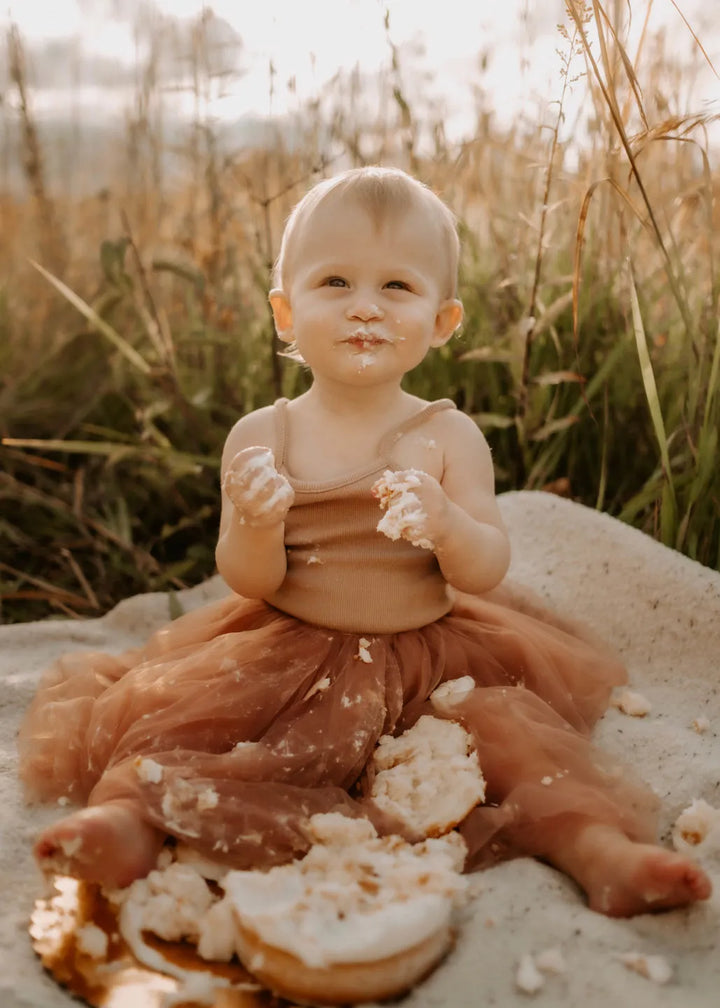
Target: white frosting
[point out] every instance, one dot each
(204, 866)
(363, 650)
(404, 517)
(319, 935)
(355, 897)
(263, 471)
(207, 799)
(336, 830)
(319, 687)
(175, 903)
(452, 692)
(216, 933)
(148, 770)
(195, 986)
(92, 940)
(170, 902)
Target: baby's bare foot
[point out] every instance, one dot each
(108, 844)
(622, 878)
(648, 879)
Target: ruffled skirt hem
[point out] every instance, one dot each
(237, 722)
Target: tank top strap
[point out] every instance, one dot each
(416, 420)
(280, 411)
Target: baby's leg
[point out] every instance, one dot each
(621, 877)
(108, 844)
(570, 806)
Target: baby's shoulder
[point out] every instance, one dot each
(453, 424)
(255, 428)
(461, 442)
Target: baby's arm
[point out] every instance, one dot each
(461, 517)
(250, 553)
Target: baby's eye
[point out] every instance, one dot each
(397, 285)
(335, 281)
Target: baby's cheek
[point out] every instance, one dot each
(402, 329)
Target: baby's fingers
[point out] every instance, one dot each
(250, 461)
(257, 490)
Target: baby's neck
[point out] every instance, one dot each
(356, 405)
(327, 438)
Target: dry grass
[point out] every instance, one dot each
(590, 352)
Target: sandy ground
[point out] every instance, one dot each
(659, 609)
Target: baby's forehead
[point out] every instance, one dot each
(344, 216)
(351, 204)
(402, 217)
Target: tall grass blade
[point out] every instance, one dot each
(95, 320)
(668, 502)
(713, 380)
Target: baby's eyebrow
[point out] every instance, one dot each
(332, 266)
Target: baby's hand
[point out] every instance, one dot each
(415, 506)
(259, 493)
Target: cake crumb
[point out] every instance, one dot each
(92, 941)
(631, 703)
(701, 724)
(697, 829)
(652, 967)
(319, 687)
(148, 770)
(528, 978)
(207, 799)
(451, 692)
(363, 652)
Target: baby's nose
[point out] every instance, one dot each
(364, 308)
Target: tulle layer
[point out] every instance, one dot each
(237, 722)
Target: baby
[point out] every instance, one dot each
(238, 722)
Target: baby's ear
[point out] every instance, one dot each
(282, 314)
(447, 320)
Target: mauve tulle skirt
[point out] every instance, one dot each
(237, 722)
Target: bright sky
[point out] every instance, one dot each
(310, 39)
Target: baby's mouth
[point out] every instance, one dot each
(362, 340)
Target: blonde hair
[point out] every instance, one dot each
(382, 192)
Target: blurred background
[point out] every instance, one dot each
(150, 151)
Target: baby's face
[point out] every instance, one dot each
(367, 297)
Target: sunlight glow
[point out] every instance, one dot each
(306, 43)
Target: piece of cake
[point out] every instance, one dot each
(359, 918)
(429, 777)
(404, 517)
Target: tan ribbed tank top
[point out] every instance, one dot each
(341, 572)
